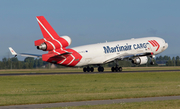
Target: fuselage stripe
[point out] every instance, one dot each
(157, 45)
(152, 43)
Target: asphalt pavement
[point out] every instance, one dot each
(55, 73)
(95, 102)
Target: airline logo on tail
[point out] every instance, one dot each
(154, 44)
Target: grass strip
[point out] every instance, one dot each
(65, 88)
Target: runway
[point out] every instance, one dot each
(59, 73)
(96, 102)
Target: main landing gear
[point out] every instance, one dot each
(100, 69)
(91, 69)
(88, 69)
(116, 68)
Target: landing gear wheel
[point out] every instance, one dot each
(120, 69)
(84, 69)
(100, 69)
(92, 69)
(88, 69)
(116, 69)
(112, 69)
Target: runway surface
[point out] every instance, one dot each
(96, 102)
(16, 74)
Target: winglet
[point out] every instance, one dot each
(12, 51)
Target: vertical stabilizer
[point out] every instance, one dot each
(48, 32)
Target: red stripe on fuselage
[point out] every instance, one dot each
(71, 59)
(67, 60)
(157, 45)
(77, 57)
(152, 43)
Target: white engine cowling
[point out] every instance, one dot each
(67, 38)
(140, 60)
(53, 44)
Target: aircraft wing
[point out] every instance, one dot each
(128, 56)
(36, 55)
(24, 54)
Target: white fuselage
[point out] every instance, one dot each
(103, 52)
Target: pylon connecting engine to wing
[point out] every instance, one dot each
(53, 44)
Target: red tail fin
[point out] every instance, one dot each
(51, 39)
(47, 31)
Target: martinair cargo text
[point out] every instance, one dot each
(136, 50)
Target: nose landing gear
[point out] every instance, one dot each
(152, 60)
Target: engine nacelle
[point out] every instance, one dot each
(68, 39)
(140, 60)
(49, 45)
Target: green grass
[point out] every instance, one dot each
(70, 69)
(64, 88)
(169, 104)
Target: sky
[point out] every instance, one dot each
(88, 22)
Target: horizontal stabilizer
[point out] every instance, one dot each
(24, 54)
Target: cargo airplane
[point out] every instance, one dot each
(137, 50)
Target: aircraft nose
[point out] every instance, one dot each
(165, 46)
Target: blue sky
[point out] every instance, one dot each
(88, 22)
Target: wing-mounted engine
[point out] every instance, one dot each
(53, 44)
(140, 60)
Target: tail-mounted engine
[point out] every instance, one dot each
(140, 60)
(49, 45)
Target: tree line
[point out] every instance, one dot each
(32, 63)
(28, 63)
